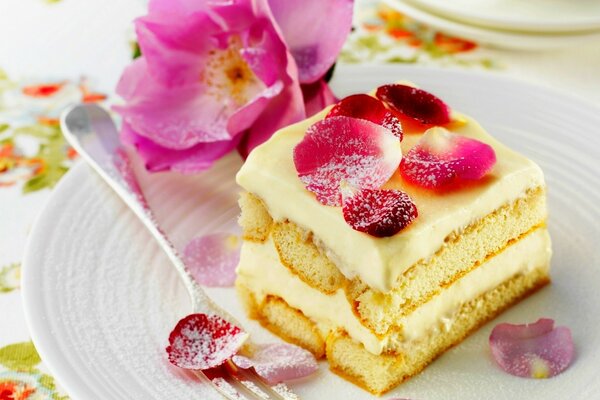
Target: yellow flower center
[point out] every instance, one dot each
(228, 76)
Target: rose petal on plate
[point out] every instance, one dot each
(379, 213)
(415, 103)
(369, 108)
(441, 158)
(537, 350)
(279, 362)
(201, 341)
(212, 259)
(336, 149)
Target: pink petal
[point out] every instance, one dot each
(415, 103)
(535, 350)
(367, 107)
(337, 149)
(197, 158)
(284, 110)
(201, 341)
(315, 31)
(212, 259)
(279, 362)
(317, 96)
(380, 213)
(441, 158)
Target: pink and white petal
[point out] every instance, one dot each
(317, 96)
(195, 159)
(537, 350)
(201, 341)
(212, 259)
(279, 362)
(345, 149)
(285, 109)
(441, 158)
(315, 49)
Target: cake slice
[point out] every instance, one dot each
(381, 308)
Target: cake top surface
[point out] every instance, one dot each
(270, 173)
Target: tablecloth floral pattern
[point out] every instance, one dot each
(34, 156)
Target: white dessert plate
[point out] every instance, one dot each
(540, 16)
(100, 298)
(496, 38)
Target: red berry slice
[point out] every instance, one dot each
(415, 103)
(363, 106)
(279, 362)
(537, 350)
(379, 213)
(441, 158)
(201, 341)
(337, 149)
(212, 259)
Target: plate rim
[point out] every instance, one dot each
(34, 308)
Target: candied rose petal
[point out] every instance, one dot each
(415, 103)
(537, 350)
(201, 341)
(340, 148)
(367, 107)
(441, 158)
(212, 259)
(379, 213)
(279, 362)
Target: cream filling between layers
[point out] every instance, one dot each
(269, 173)
(261, 270)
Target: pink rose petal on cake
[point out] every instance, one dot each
(537, 350)
(337, 149)
(212, 259)
(367, 107)
(441, 158)
(201, 341)
(415, 103)
(279, 362)
(379, 213)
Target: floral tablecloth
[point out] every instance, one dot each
(62, 51)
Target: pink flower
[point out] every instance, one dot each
(216, 75)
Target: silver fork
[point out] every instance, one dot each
(92, 133)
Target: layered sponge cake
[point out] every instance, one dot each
(383, 231)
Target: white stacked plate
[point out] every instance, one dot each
(514, 24)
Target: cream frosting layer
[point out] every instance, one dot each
(270, 174)
(261, 270)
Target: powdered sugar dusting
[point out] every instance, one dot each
(442, 158)
(212, 259)
(279, 362)
(345, 149)
(379, 213)
(201, 341)
(535, 350)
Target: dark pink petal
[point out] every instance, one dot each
(535, 350)
(201, 341)
(212, 259)
(367, 107)
(279, 362)
(441, 158)
(284, 110)
(317, 96)
(197, 158)
(415, 103)
(345, 149)
(315, 31)
(379, 213)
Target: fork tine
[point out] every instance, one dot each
(256, 385)
(217, 378)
